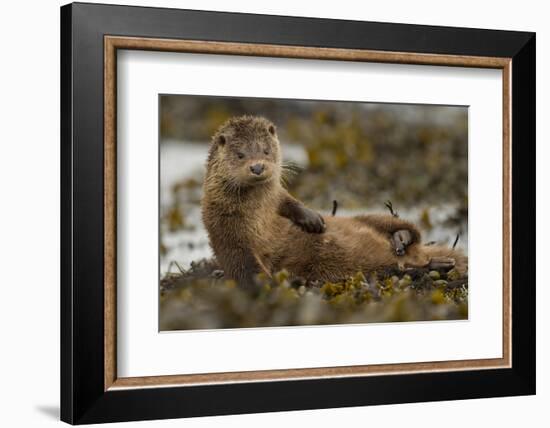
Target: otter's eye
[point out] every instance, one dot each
(266, 151)
(240, 155)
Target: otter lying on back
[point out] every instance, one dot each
(255, 225)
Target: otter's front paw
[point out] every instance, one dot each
(400, 240)
(310, 221)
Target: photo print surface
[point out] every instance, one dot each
(283, 212)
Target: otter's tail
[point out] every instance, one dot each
(437, 251)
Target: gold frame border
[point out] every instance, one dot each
(113, 43)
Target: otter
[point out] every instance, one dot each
(254, 225)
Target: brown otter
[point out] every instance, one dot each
(255, 225)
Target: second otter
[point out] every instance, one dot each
(255, 225)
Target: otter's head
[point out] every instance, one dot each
(245, 152)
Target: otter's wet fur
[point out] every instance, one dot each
(254, 225)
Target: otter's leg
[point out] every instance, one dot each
(441, 263)
(401, 233)
(435, 263)
(419, 256)
(308, 220)
(242, 265)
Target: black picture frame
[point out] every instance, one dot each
(83, 398)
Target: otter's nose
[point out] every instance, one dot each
(257, 168)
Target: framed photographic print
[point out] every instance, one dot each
(265, 213)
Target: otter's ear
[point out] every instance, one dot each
(220, 139)
(271, 129)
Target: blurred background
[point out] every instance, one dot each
(359, 154)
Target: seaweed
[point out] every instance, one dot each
(202, 298)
